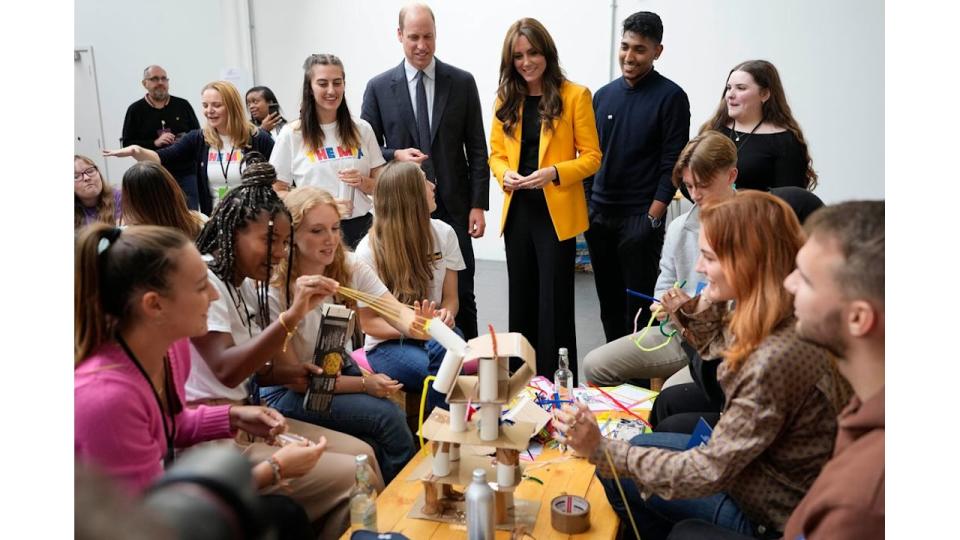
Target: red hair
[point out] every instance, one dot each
(756, 237)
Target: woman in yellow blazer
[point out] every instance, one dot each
(543, 144)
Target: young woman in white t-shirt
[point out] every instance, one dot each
(329, 148)
(361, 406)
(245, 238)
(416, 258)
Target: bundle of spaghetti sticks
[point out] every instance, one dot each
(391, 310)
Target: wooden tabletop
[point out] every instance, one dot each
(562, 473)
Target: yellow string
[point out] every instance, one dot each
(423, 404)
(643, 334)
(623, 496)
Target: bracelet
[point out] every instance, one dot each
(363, 381)
(289, 332)
(275, 465)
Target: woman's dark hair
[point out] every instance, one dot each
(775, 110)
(151, 196)
(111, 267)
(105, 210)
(310, 122)
(513, 88)
(268, 96)
(245, 204)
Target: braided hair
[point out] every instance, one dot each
(239, 207)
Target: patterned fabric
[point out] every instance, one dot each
(776, 432)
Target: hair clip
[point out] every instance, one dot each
(108, 239)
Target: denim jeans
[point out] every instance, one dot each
(376, 421)
(409, 361)
(655, 516)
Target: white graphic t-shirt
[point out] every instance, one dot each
(223, 169)
(295, 164)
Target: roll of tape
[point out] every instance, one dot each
(570, 514)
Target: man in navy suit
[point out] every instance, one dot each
(447, 142)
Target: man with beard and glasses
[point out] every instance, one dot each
(838, 289)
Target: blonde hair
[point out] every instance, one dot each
(756, 237)
(300, 201)
(238, 128)
(401, 237)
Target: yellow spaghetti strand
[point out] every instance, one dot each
(623, 496)
(423, 405)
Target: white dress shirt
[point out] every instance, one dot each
(428, 84)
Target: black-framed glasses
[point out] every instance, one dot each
(88, 172)
(158, 79)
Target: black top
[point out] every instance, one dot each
(769, 160)
(642, 130)
(143, 124)
(530, 136)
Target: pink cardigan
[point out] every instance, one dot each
(117, 426)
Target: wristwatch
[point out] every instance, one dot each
(655, 222)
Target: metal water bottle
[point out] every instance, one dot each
(563, 382)
(363, 499)
(480, 508)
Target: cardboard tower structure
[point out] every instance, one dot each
(491, 389)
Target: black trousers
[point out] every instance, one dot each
(467, 314)
(540, 274)
(625, 254)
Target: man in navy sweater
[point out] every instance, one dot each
(643, 120)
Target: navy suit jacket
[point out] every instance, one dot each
(458, 148)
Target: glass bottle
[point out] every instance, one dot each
(563, 382)
(363, 499)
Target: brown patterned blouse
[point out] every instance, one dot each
(776, 431)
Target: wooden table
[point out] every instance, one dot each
(574, 476)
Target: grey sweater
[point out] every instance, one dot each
(680, 252)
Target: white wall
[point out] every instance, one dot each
(127, 36)
(830, 56)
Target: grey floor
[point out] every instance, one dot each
(490, 287)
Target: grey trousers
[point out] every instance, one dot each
(621, 359)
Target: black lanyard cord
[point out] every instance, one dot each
(171, 433)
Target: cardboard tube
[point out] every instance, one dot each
(454, 452)
(441, 461)
(446, 336)
(458, 417)
(488, 379)
(489, 421)
(506, 473)
(449, 369)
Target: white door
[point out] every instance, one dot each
(87, 123)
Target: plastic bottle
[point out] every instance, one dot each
(363, 499)
(480, 508)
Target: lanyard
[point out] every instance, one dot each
(220, 161)
(168, 435)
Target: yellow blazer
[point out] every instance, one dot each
(572, 147)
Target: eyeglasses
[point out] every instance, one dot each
(86, 172)
(157, 79)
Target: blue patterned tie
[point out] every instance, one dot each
(423, 127)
